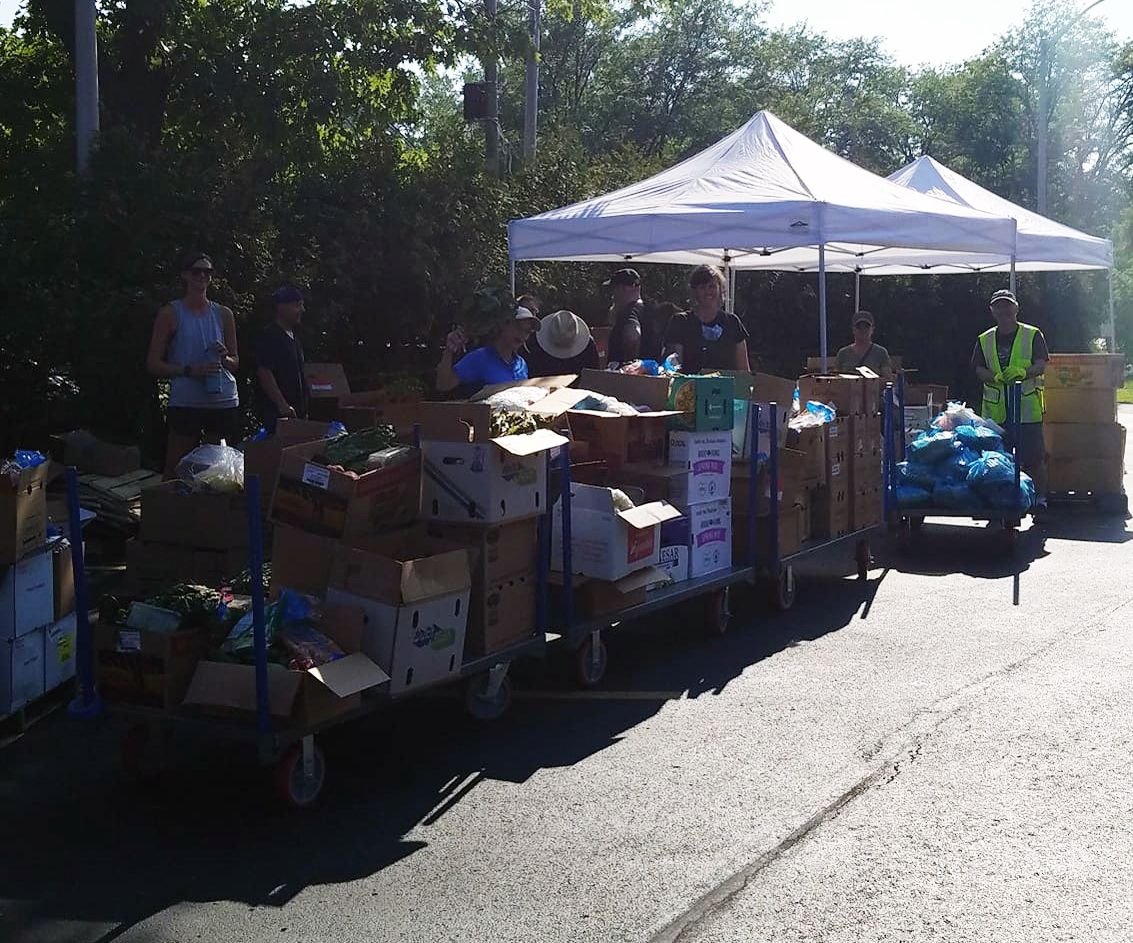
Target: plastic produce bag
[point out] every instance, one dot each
(29, 458)
(990, 468)
(954, 495)
(917, 474)
(213, 468)
(289, 610)
(931, 447)
(956, 464)
(957, 415)
(911, 496)
(517, 398)
(308, 647)
(980, 438)
(1002, 495)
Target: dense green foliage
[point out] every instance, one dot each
(322, 143)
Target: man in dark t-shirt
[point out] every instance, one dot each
(281, 386)
(629, 312)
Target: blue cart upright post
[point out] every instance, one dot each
(568, 563)
(259, 623)
(888, 464)
(1016, 434)
(88, 703)
(543, 567)
(773, 482)
(901, 410)
(753, 491)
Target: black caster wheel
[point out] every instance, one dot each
(717, 611)
(480, 705)
(783, 589)
(863, 558)
(297, 787)
(590, 662)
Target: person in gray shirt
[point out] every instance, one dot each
(863, 352)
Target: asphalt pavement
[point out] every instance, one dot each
(941, 752)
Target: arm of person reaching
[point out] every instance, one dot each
(743, 363)
(447, 377)
(164, 327)
(229, 350)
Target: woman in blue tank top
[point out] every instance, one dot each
(193, 345)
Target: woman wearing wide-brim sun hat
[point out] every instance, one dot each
(562, 345)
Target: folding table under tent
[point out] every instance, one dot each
(761, 191)
(1041, 244)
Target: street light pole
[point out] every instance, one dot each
(86, 82)
(531, 97)
(1042, 143)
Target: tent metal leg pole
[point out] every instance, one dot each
(1012, 283)
(511, 275)
(822, 304)
(1112, 339)
(857, 290)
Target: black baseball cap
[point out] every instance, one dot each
(1004, 295)
(623, 276)
(286, 294)
(860, 316)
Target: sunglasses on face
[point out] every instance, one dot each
(206, 272)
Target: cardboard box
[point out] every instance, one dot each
(606, 543)
(300, 561)
(152, 669)
(621, 440)
(926, 394)
(323, 501)
(706, 458)
(865, 471)
(839, 448)
(710, 537)
(326, 383)
(598, 597)
(21, 670)
(59, 647)
(500, 550)
(794, 531)
(500, 614)
(795, 473)
(90, 454)
(830, 510)
(1085, 371)
(64, 578)
(23, 514)
(865, 434)
(675, 545)
(415, 592)
(1084, 440)
(871, 391)
(402, 416)
(171, 514)
(742, 434)
(811, 443)
(637, 391)
(865, 510)
(262, 457)
(299, 699)
(845, 392)
(27, 595)
(1085, 405)
(1095, 475)
(705, 403)
(154, 566)
(471, 476)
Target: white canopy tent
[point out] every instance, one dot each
(762, 190)
(1042, 245)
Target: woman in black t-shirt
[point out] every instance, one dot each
(707, 337)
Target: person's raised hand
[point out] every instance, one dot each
(456, 341)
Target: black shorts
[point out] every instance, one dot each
(196, 421)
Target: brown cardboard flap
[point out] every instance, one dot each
(646, 515)
(640, 578)
(633, 389)
(233, 687)
(350, 675)
(547, 383)
(326, 380)
(404, 567)
(558, 402)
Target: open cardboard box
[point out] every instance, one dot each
(608, 544)
(23, 513)
(598, 597)
(330, 393)
(313, 497)
(171, 514)
(471, 475)
(262, 456)
(298, 698)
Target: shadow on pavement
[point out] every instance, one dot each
(980, 551)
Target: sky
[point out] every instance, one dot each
(954, 31)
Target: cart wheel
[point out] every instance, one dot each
(916, 524)
(783, 590)
(295, 788)
(134, 749)
(482, 707)
(717, 612)
(864, 558)
(590, 662)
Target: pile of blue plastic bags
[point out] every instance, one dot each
(960, 464)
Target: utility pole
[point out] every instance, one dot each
(86, 82)
(531, 97)
(492, 118)
(1046, 51)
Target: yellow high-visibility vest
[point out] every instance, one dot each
(995, 394)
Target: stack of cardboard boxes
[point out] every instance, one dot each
(1085, 444)
(37, 598)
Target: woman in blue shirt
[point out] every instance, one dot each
(498, 362)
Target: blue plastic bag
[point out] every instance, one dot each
(930, 448)
(956, 464)
(334, 430)
(1003, 496)
(29, 458)
(910, 496)
(917, 474)
(955, 496)
(991, 467)
(979, 438)
(824, 412)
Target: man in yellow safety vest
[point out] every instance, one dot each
(1010, 352)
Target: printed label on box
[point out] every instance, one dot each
(835, 470)
(316, 475)
(129, 641)
(640, 544)
(714, 535)
(65, 647)
(708, 466)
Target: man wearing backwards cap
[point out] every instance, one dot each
(628, 314)
(1010, 352)
(498, 362)
(281, 385)
(562, 345)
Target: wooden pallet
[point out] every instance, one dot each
(15, 725)
(1110, 504)
(117, 501)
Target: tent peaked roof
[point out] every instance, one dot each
(763, 188)
(1040, 240)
